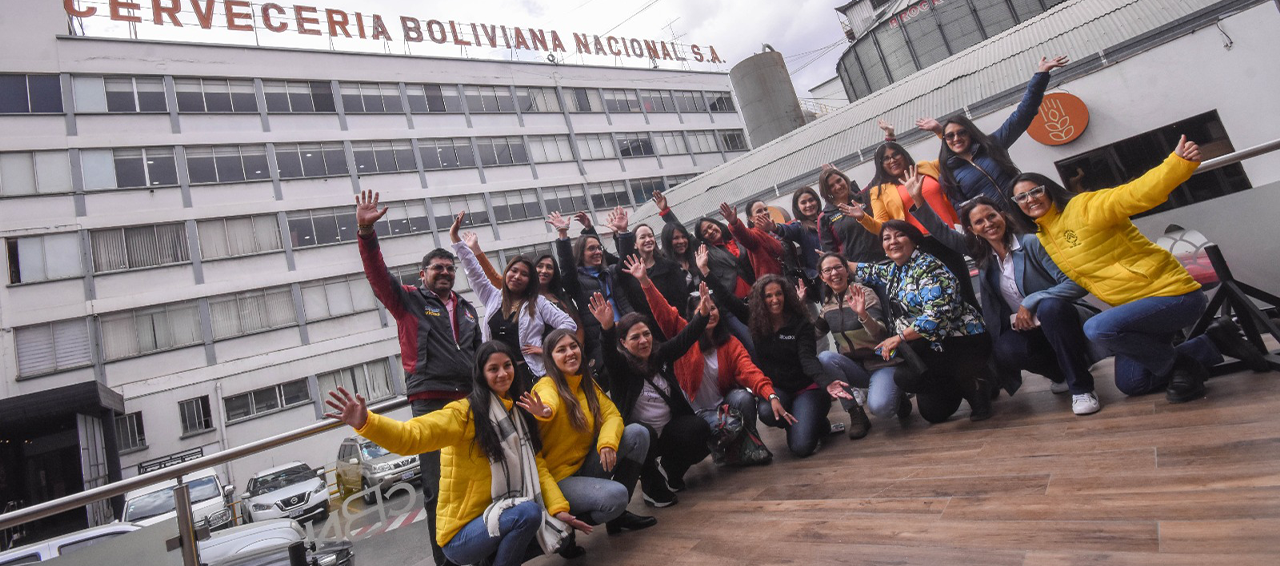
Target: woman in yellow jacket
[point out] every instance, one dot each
(496, 495)
(594, 457)
(1090, 237)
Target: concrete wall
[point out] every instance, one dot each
(766, 97)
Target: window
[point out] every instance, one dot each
(136, 247)
(53, 346)
(29, 173)
(433, 98)
(721, 102)
(565, 200)
(44, 258)
(489, 99)
(30, 94)
(408, 274)
(383, 156)
(251, 311)
(550, 149)
(370, 379)
(501, 151)
(537, 99)
(227, 164)
(370, 98)
(123, 94)
(129, 168)
(337, 296)
(231, 237)
(195, 415)
(703, 142)
(619, 100)
(322, 226)
(311, 160)
(657, 101)
(404, 217)
(674, 180)
(445, 208)
(532, 251)
(266, 400)
(642, 189)
(733, 140)
(1128, 159)
(669, 143)
(216, 95)
(583, 100)
(446, 153)
(515, 205)
(595, 146)
(634, 145)
(688, 101)
(298, 97)
(129, 432)
(152, 329)
(608, 194)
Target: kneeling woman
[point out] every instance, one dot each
(788, 348)
(595, 457)
(487, 445)
(944, 332)
(645, 385)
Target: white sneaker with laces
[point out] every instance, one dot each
(1086, 404)
(1059, 388)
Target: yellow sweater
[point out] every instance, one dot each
(1096, 245)
(465, 479)
(563, 447)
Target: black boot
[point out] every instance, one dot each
(980, 400)
(1226, 337)
(569, 548)
(1187, 381)
(654, 488)
(629, 521)
(904, 409)
(859, 424)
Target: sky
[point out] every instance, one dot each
(806, 32)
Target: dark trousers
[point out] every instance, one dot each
(682, 444)
(1141, 334)
(1058, 349)
(956, 373)
(810, 408)
(430, 465)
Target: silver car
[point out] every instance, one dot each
(363, 464)
(293, 491)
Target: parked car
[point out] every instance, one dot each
(260, 544)
(210, 501)
(293, 491)
(363, 464)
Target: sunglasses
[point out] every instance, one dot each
(1022, 198)
(955, 134)
(442, 268)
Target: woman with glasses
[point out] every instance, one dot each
(1089, 235)
(974, 163)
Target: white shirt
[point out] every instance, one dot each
(651, 408)
(1008, 281)
(708, 395)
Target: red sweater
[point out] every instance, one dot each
(735, 366)
(763, 249)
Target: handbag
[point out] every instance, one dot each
(747, 450)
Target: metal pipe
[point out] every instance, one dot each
(122, 487)
(1238, 156)
(186, 525)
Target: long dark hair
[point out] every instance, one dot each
(636, 230)
(624, 326)
(580, 249)
(718, 336)
(795, 204)
(529, 296)
(725, 236)
(824, 186)
(882, 176)
(976, 136)
(486, 436)
(568, 400)
(751, 203)
(1058, 195)
(979, 248)
(668, 234)
(760, 325)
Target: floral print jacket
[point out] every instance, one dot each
(924, 297)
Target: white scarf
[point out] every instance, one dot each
(516, 479)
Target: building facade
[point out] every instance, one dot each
(178, 223)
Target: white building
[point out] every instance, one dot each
(178, 223)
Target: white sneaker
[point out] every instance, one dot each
(1086, 404)
(860, 395)
(1059, 388)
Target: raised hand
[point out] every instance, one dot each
(729, 211)
(801, 289)
(857, 300)
(1047, 64)
(560, 223)
(602, 310)
(618, 219)
(764, 221)
(929, 125)
(914, 183)
(660, 200)
(1188, 150)
(888, 129)
(457, 225)
(854, 210)
(634, 266)
(367, 212)
(532, 403)
(584, 218)
(702, 258)
(351, 409)
(573, 522)
(704, 305)
(472, 241)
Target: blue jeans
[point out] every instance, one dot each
(810, 408)
(1057, 349)
(516, 528)
(1141, 335)
(597, 496)
(740, 331)
(882, 392)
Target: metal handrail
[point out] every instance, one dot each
(1238, 156)
(76, 500)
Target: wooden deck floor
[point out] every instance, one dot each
(1142, 482)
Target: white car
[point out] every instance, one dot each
(209, 501)
(293, 491)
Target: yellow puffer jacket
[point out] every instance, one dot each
(465, 479)
(1096, 245)
(564, 448)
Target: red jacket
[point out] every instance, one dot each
(735, 366)
(764, 250)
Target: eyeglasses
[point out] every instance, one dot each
(833, 269)
(443, 268)
(1036, 192)
(891, 157)
(955, 134)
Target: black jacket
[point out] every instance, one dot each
(725, 266)
(580, 285)
(668, 277)
(845, 236)
(788, 357)
(627, 383)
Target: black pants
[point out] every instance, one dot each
(429, 463)
(958, 372)
(1058, 349)
(683, 443)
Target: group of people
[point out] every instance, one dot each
(591, 372)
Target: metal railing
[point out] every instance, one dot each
(1238, 156)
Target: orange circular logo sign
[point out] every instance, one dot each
(1062, 118)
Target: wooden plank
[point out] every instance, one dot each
(1247, 536)
(1227, 503)
(1146, 559)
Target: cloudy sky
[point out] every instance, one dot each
(806, 32)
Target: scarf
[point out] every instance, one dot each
(516, 479)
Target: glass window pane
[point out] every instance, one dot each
(289, 162)
(120, 95)
(417, 99)
(326, 228)
(365, 161)
(200, 165)
(322, 97)
(151, 96)
(161, 167)
(13, 94)
(466, 157)
(53, 172)
(17, 174)
(213, 239)
(243, 97)
(312, 160)
(372, 96)
(217, 95)
(277, 96)
(430, 157)
(46, 93)
(90, 94)
(452, 102)
(230, 167)
(300, 97)
(255, 162)
(190, 95)
(301, 231)
(351, 101)
(385, 156)
(129, 168)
